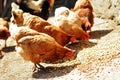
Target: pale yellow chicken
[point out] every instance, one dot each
(71, 23)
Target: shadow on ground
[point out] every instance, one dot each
(99, 33)
(77, 46)
(8, 49)
(52, 72)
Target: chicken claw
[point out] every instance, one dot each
(38, 67)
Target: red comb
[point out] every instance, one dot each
(70, 53)
(73, 39)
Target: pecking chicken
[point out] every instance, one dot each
(4, 30)
(40, 8)
(40, 25)
(39, 47)
(69, 22)
(84, 10)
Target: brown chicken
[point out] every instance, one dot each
(84, 10)
(40, 25)
(69, 22)
(39, 47)
(4, 30)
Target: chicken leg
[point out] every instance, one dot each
(38, 67)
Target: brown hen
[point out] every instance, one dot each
(4, 30)
(84, 10)
(39, 47)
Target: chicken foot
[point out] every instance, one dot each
(38, 67)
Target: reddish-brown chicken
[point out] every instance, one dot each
(40, 25)
(39, 47)
(84, 10)
(4, 30)
(69, 22)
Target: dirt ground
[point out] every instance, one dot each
(97, 59)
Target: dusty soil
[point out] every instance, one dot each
(97, 59)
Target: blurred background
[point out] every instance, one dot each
(107, 9)
(5, 6)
